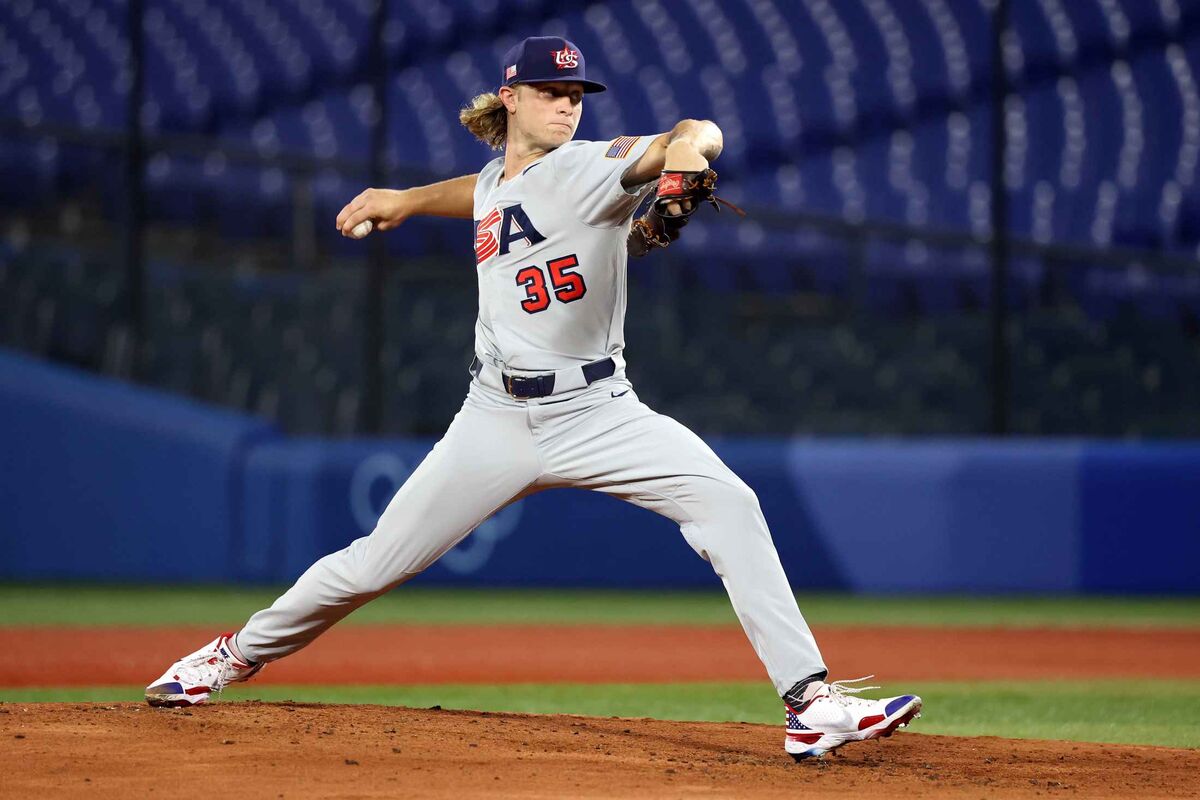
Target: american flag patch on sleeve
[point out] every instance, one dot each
(621, 146)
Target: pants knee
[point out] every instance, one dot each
(362, 574)
(729, 529)
(738, 499)
(727, 508)
(373, 584)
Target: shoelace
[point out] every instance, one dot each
(840, 691)
(195, 669)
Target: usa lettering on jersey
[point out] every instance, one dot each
(500, 228)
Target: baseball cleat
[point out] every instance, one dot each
(191, 679)
(831, 717)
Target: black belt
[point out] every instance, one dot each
(524, 387)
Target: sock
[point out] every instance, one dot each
(802, 692)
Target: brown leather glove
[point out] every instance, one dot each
(679, 194)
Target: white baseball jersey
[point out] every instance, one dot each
(552, 281)
(550, 245)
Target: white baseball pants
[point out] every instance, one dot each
(498, 450)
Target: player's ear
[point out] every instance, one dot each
(508, 96)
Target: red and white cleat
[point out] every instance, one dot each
(191, 679)
(831, 716)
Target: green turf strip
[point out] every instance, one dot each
(1142, 712)
(179, 605)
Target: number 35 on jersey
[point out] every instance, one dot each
(499, 229)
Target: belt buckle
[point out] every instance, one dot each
(543, 385)
(510, 383)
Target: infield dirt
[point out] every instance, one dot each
(499, 654)
(294, 750)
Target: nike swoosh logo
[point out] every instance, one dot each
(620, 394)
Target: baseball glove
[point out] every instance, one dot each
(660, 225)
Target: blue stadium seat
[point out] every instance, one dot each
(1097, 82)
(863, 110)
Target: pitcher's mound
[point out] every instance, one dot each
(271, 750)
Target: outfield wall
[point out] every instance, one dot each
(100, 480)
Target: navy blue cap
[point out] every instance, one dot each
(542, 59)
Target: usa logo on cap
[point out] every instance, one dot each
(566, 58)
(547, 59)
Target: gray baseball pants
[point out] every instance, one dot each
(498, 450)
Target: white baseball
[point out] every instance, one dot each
(362, 229)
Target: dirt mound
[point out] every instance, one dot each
(295, 750)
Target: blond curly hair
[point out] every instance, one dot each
(487, 119)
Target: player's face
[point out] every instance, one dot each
(554, 110)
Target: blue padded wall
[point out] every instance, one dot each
(105, 481)
(1140, 507)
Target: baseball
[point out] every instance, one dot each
(362, 229)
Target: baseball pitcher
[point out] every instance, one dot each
(549, 404)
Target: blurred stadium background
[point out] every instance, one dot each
(975, 221)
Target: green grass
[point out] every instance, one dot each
(1150, 712)
(181, 605)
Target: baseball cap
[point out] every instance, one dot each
(542, 59)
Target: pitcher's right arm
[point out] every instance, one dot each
(387, 208)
